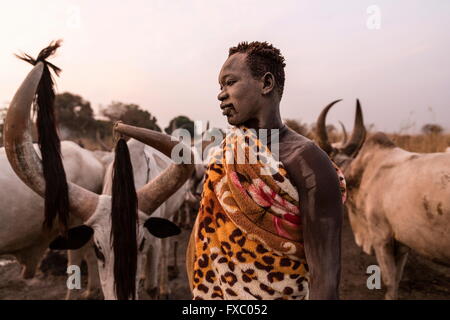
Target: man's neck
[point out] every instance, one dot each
(271, 123)
(267, 119)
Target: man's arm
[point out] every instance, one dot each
(322, 212)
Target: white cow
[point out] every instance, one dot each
(148, 163)
(92, 209)
(397, 200)
(22, 213)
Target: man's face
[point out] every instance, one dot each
(240, 94)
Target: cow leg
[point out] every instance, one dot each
(94, 290)
(30, 258)
(143, 269)
(177, 218)
(173, 270)
(386, 259)
(192, 217)
(164, 289)
(401, 256)
(74, 257)
(175, 261)
(181, 216)
(151, 269)
(187, 213)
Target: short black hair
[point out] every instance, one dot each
(263, 57)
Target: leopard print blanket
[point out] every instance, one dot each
(247, 239)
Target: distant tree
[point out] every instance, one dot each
(114, 111)
(180, 122)
(73, 112)
(431, 128)
(130, 114)
(189, 127)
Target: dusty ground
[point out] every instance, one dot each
(422, 279)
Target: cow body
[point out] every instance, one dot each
(396, 200)
(22, 211)
(399, 200)
(115, 229)
(148, 163)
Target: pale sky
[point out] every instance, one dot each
(166, 55)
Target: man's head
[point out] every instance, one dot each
(251, 82)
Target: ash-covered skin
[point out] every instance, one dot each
(254, 101)
(311, 171)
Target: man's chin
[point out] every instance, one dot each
(234, 120)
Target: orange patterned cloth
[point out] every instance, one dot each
(248, 234)
(248, 239)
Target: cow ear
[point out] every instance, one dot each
(76, 238)
(161, 228)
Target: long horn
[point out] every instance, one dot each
(344, 132)
(321, 129)
(20, 151)
(154, 193)
(359, 133)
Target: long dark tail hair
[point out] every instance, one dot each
(123, 223)
(56, 189)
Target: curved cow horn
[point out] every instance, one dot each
(22, 155)
(344, 132)
(154, 193)
(358, 135)
(321, 130)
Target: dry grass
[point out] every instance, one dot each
(422, 143)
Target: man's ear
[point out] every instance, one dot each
(268, 83)
(76, 238)
(161, 228)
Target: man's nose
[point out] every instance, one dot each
(222, 95)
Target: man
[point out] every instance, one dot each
(257, 236)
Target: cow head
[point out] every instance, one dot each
(95, 210)
(354, 159)
(342, 153)
(348, 157)
(98, 227)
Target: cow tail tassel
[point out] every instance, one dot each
(56, 187)
(124, 223)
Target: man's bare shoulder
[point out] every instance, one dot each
(301, 155)
(295, 143)
(310, 167)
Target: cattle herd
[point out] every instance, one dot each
(397, 201)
